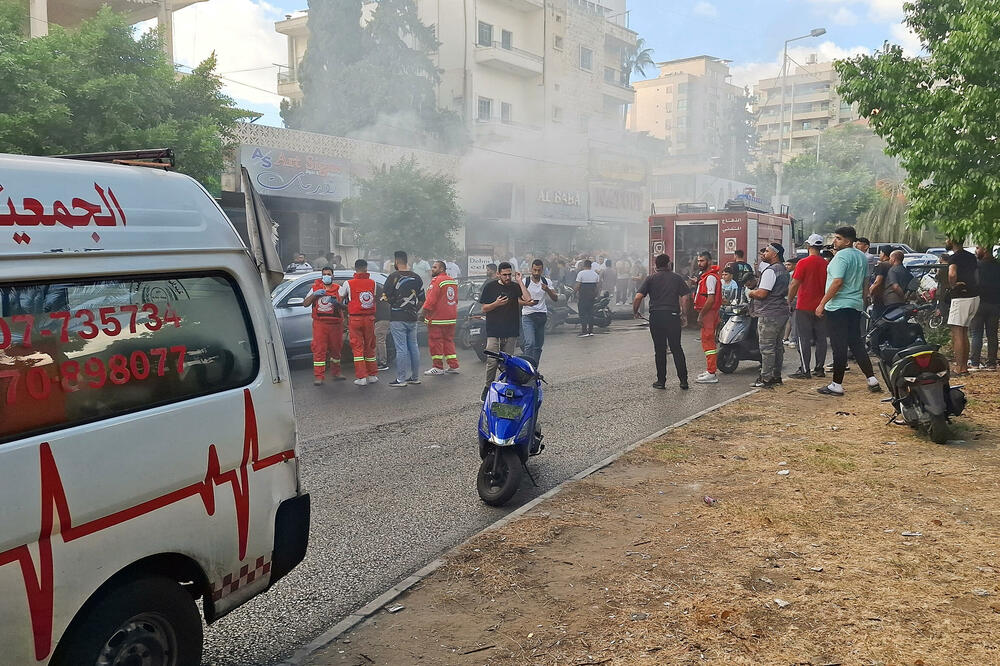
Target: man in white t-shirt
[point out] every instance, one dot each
(586, 291)
(452, 269)
(535, 315)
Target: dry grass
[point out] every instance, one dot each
(631, 566)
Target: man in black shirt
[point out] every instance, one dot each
(988, 315)
(668, 294)
(502, 300)
(964, 290)
(404, 291)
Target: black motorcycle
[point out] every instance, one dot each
(472, 334)
(916, 373)
(737, 338)
(602, 311)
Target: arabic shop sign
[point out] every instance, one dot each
(283, 173)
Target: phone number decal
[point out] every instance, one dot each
(87, 324)
(94, 373)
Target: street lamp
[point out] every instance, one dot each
(815, 32)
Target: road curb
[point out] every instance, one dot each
(376, 604)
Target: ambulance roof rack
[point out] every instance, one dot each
(157, 158)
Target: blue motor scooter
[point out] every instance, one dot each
(509, 432)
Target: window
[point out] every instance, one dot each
(506, 39)
(682, 88)
(556, 114)
(806, 125)
(485, 109)
(610, 74)
(505, 112)
(557, 42)
(586, 59)
(682, 105)
(80, 351)
(485, 34)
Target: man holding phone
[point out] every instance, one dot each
(502, 300)
(534, 315)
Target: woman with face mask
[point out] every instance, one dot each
(328, 326)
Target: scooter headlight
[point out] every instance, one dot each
(483, 423)
(524, 429)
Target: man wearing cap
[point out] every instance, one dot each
(805, 292)
(770, 306)
(841, 305)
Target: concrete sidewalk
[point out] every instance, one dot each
(784, 528)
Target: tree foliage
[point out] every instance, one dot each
(377, 80)
(839, 186)
(404, 207)
(97, 88)
(940, 114)
(886, 219)
(637, 60)
(739, 139)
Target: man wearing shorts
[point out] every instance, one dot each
(964, 289)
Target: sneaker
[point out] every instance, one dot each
(799, 375)
(826, 390)
(373, 379)
(382, 367)
(976, 367)
(412, 380)
(776, 381)
(792, 345)
(434, 371)
(819, 372)
(702, 375)
(759, 383)
(709, 378)
(659, 385)
(991, 368)
(395, 383)
(684, 385)
(317, 382)
(361, 382)
(452, 371)
(875, 388)
(582, 335)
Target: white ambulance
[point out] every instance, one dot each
(147, 440)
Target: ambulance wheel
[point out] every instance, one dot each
(151, 621)
(728, 360)
(496, 490)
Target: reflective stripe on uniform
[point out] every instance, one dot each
(318, 363)
(370, 360)
(441, 322)
(450, 356)
(447, 282)
(436, 357)
(711, 352)
(359, 358)
(335, 361)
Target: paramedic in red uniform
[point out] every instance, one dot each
(707, 302)
(359, 295)
(328, 326)
(441, 315)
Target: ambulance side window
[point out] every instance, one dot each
(73, 352)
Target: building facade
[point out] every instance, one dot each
(811, 105)
(540, 87)
(689, 105)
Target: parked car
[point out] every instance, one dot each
(919, 259)
(876, 248)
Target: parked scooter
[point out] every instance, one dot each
(916, 373)
(602, 311)
(738, 338)
(508, 429)
(473, 332)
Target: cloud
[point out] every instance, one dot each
(749, 74)
(705, 10)
(844, 16)
(878, 11)
(241, 32)
(902, 35)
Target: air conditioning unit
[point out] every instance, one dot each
(345, 237)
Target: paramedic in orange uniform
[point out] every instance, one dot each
(328, 326)
(441, 315)
(359, 295)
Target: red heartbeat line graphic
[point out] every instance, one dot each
(38, 582)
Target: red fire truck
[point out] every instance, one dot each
(744, 224)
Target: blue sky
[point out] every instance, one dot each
(750, 33)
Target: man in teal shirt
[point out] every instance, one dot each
(846, 293)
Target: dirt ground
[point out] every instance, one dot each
(876, 547)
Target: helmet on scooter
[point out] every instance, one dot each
(519, 371)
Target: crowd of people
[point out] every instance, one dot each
(822, 301)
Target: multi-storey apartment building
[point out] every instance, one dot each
(688, 105)
(812, 105)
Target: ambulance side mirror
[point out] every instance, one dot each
(293, 302)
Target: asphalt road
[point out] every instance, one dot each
(392, 472)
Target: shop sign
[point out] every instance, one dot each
(557, 202)
(478, 264)
(283, 173)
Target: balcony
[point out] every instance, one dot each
(618, 91)
(70, 13)
(501, 131)
(510, 60)
(617, 33)
(520, 5)
(288, 83)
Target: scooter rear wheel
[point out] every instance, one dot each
(939, 430)
(728, 360)
(496, 490)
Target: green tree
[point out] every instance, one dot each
(406, 207)
(374, 81)
(97, 88)
(839, 186)
(938, 113)
(637, 60)
(739, 139)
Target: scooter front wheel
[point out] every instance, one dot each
(728, 360)
(496, 487)
(939, 430)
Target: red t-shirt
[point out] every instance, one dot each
(811, 273)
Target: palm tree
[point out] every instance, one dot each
(637, 59)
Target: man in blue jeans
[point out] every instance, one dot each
(404, 291)
(535, 315)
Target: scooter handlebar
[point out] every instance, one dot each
(494, 354)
